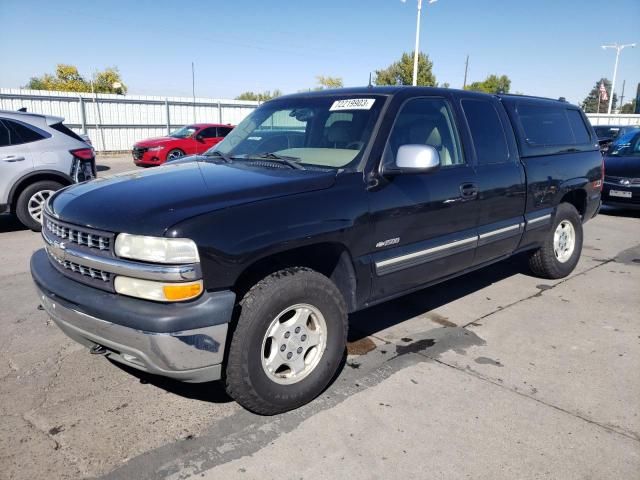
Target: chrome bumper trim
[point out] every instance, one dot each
(190, 356)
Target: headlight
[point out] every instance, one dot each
(158, 291)
(156, 249)
(155, 149)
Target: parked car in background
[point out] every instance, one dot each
(244, 266)
(622, 171)
(188, 140)
(38, 155)
(608, 133)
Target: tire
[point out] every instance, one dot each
(262, 310)
(174, 154)
(31, 200)
(555, 259)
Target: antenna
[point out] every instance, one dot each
(370, 85)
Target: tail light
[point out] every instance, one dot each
(83, 153)
(84, 165)
(598, 184)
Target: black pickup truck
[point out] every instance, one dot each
(243, 264)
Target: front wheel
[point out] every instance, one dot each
(31, 201)
(174, 154)
(288, 342)
(562, 247)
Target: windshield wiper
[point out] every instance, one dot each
(293, 162)
(217, 153)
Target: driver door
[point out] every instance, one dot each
(424, 223)
(206, 138)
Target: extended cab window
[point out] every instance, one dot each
(580, 131)
(425, 121)
(487, 132)
(544, 125)
(21, 133)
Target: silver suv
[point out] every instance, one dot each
(38, 155)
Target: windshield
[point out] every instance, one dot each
(184, 132)
(627, 144)
(327, 131)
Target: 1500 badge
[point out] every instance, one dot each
(386, 243)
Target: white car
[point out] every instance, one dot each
(38, 155)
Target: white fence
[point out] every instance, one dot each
(116, 122)
(613, 119)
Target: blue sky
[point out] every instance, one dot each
(547, 47)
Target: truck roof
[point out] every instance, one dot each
(395, 89)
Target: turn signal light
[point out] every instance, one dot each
(183, 291)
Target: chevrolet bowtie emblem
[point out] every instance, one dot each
(57, 249)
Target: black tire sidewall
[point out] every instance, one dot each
(301, 288)
(22, 207)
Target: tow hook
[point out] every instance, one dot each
(97, 350)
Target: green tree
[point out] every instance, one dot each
(629, 107)
(401, 72)
(68, 79)
(109, 81)
(491, 84)
(260, 97)
(590, 103)
(329, 82)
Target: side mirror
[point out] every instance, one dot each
(416, 159)
(199, 137)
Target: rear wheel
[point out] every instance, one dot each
(562, 247)
(31, 201)
(288, 342)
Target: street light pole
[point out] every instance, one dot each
(618, 48)
(416, 49)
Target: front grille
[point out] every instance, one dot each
(78, 235)
(138, 152)
(93, 273)
(618, 180)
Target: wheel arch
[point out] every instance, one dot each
(33, 177)
(331, 259)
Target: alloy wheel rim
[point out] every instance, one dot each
(293, 344)
(564, 241)
(35, 205)
(174, 154)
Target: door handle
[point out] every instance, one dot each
(468, 191)
(12, 158)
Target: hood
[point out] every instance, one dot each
(154, 142)
(621, 166)
(147, 202)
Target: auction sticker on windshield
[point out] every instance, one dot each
(353, 104)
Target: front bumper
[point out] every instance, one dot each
(149, 158)
(193, 353)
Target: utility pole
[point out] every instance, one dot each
(417, 47)
(193, 89)
(621, 102)
(618, 49)
(466, 69)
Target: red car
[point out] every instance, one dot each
(188, 140)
